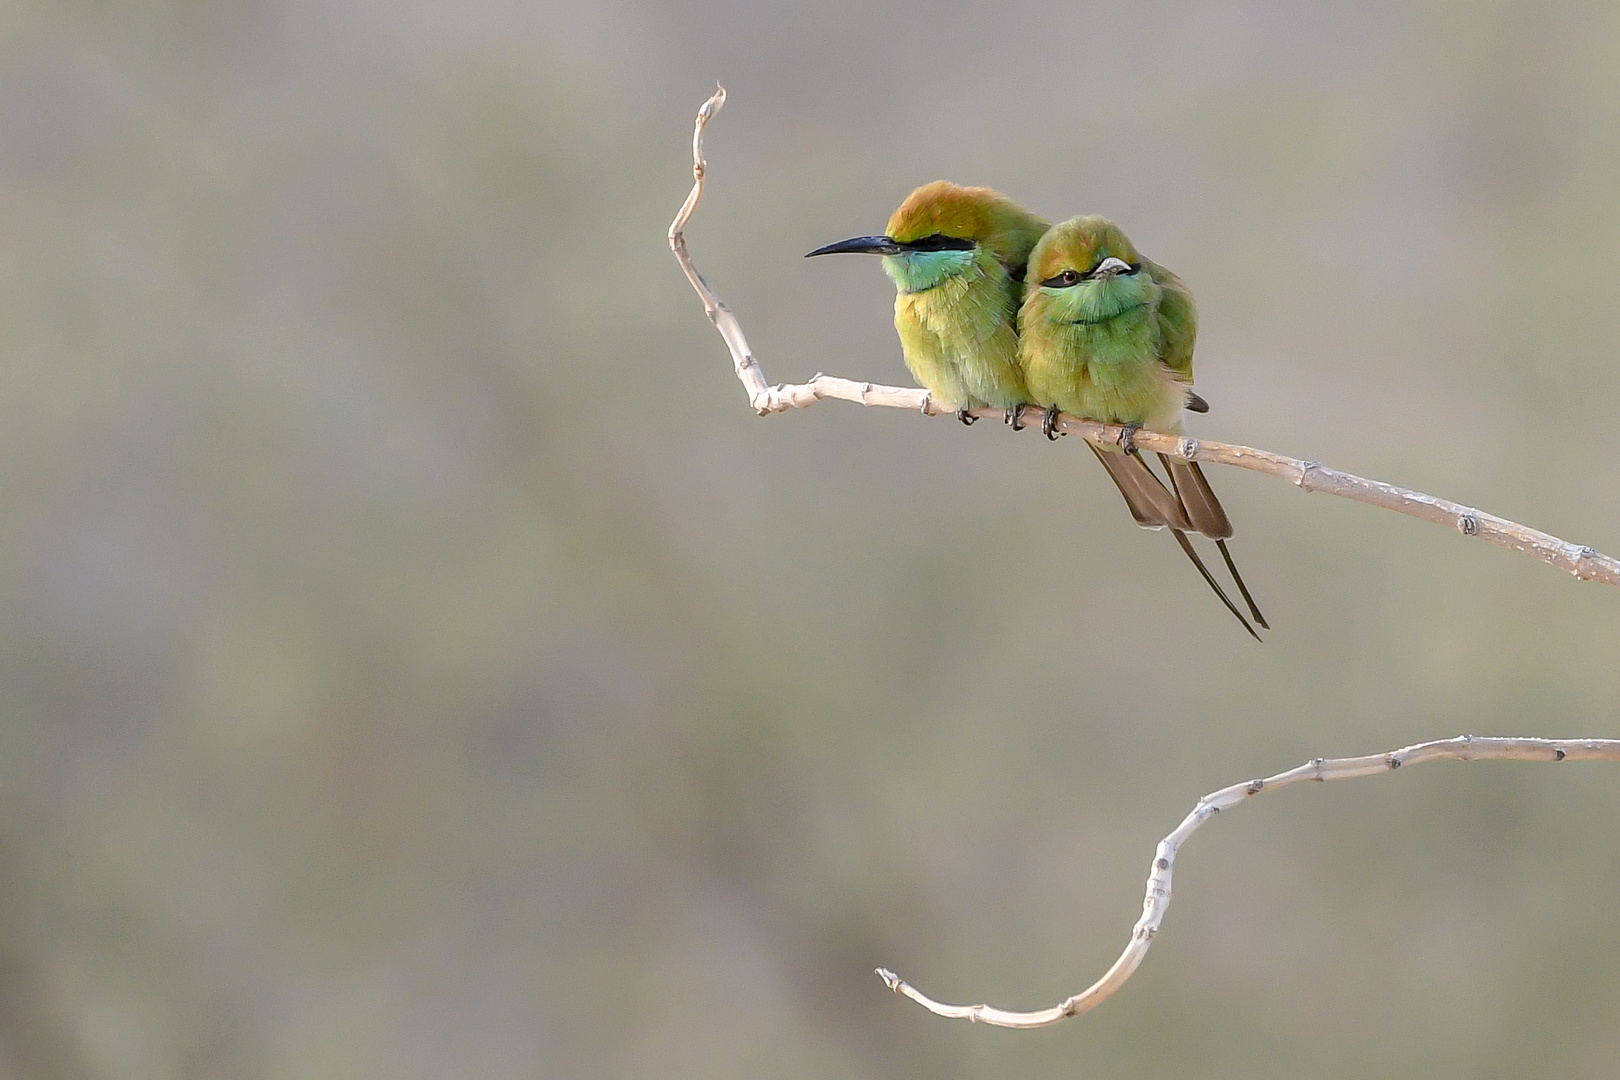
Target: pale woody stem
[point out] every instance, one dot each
(1584, 562)
(1157, 901)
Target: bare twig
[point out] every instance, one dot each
(1462, 748)
(1586, 563)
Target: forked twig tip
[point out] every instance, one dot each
(712, 106)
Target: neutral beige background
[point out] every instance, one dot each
(416, 661)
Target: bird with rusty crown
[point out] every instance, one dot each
(956, 256)
(1106, 334)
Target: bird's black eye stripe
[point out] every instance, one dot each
(940, 242)
(1074, 277)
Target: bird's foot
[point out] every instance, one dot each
(1013, 415)
(966, 417)
(1049, 423)
(1127, 437)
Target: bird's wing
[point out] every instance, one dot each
(1178, 321)
(1178, 330)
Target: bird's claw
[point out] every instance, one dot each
(1127, 437)
(1049, 423)
(1013, 417)
(967, 418)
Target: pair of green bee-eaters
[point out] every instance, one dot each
(999, 308)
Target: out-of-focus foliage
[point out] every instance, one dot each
(417, 661)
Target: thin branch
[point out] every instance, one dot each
(1462, 748)
(1586, 563)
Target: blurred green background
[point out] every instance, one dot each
(418, 661)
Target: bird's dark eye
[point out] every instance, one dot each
(1064, 280)
(1136, 268)
(940, 242)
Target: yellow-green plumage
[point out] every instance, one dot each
(1117, 349)
(957, 257)
(1108, 335)
(959, 338)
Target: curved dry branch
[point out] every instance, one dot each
(1462, 748)
(1586, 563)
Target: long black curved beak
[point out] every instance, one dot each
(862, 245)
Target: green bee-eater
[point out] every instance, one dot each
(957, 257)
(1106, 334)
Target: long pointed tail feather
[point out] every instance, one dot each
(1186, 545)
(1254, 609)
(1155, 506)
(1207, 515)
(1151, 503)
(1198, 499)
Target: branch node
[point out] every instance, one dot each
(1581, 569)
(890, 979)
(1394, 762)
(1558, 754)
(1162, 864)
(1305, 468)
(1255, 786)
